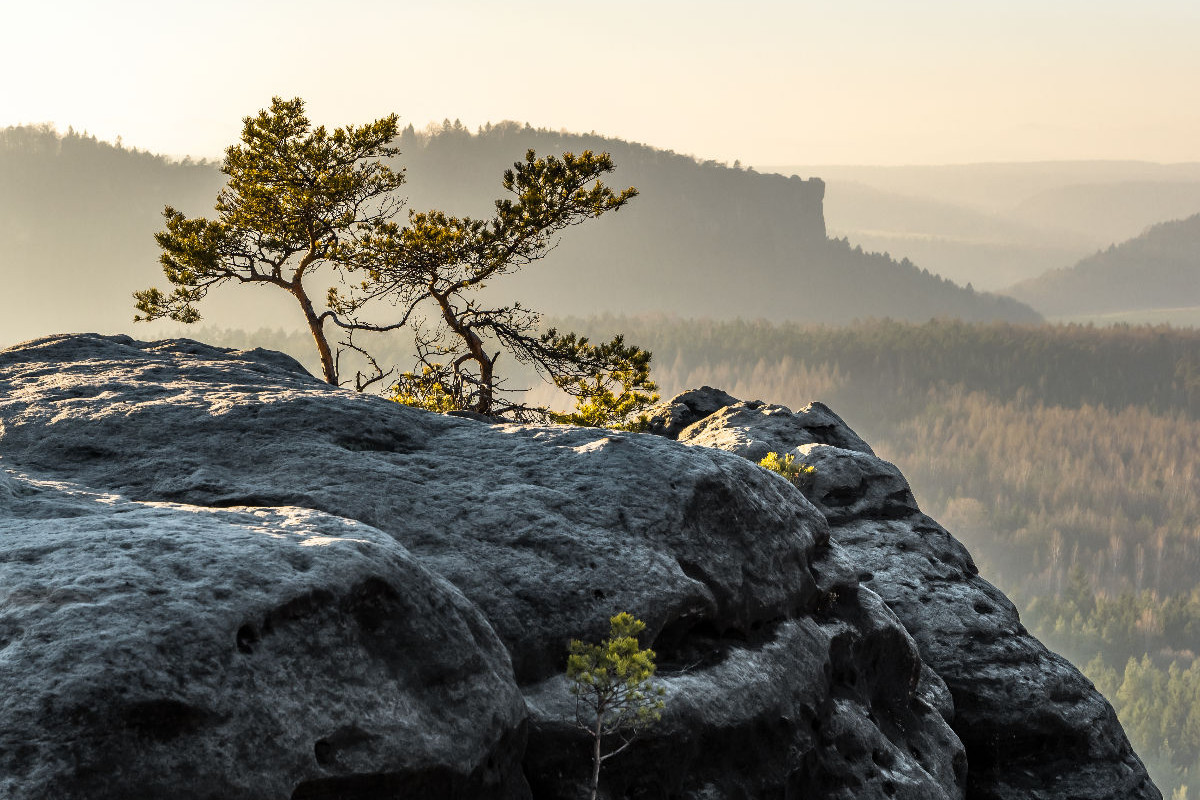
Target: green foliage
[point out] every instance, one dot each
(442, 262)
(1082, 622)
(1159, 708)
(614, 387)
(787, 466)
(428, 390)
(612, 685)
(612, 679)
(299, 200)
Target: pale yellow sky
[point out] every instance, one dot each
(852, 82)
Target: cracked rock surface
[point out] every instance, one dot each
(222, 578)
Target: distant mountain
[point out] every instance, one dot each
(1110, 212)
(702, 239)
(1158, 270)
(997, 224)
(77, 218)
(954, 240)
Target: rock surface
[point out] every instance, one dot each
(1032, 724)
(220, 577)
(753, 429)
(158, 650)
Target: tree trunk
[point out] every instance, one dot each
(318, 334)
(474, 347)
(596, 760)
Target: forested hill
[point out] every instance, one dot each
(702, 239)
(77, 217)
(1159, 269)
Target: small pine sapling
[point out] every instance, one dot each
(787, 466)
(612, 688)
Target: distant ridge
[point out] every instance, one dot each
(1000, 223)
(1159, 269)
(703, 239)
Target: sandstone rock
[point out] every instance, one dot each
(669, 533)
(751, 428)
(150, 650)
(241, 553)
(832, 705)
(671, 417)
(783, 676)
(1032, 724)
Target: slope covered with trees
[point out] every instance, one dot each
(705, 239)
(1159, 269)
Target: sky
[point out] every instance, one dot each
(765, 82)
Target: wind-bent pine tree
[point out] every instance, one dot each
(442, 262)
(304, 205)
(297, 204)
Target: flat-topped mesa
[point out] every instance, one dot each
(220, 576)
(808, 207)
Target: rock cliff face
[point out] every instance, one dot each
(220, 578)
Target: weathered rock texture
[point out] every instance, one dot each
(220, 578)
(1033, 726)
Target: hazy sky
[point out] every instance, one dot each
(854, 81)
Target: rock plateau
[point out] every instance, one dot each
(221, 578)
